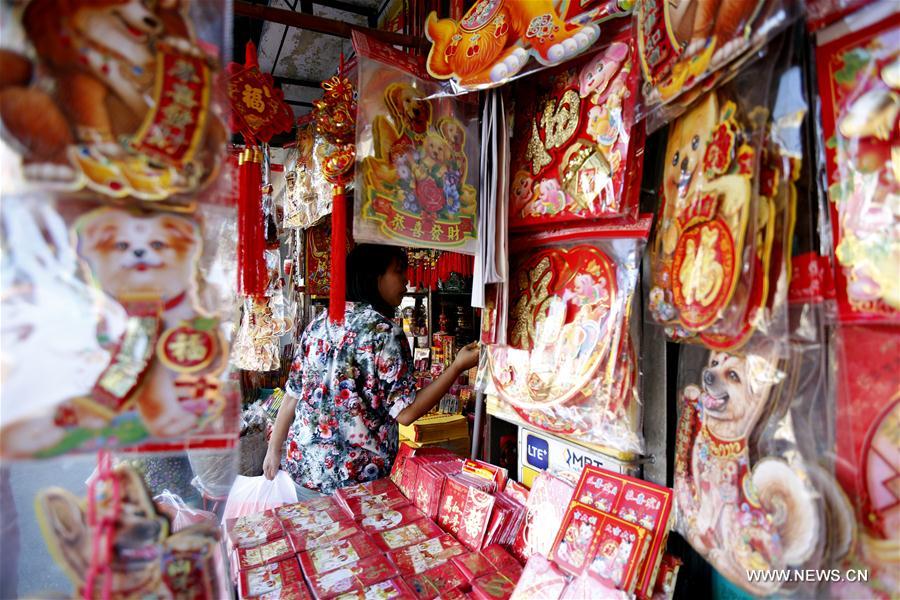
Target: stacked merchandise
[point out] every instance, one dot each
(371, 541)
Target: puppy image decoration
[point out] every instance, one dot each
(130, 114)
(162, 379)
(494, 39)
(740, 514)
(415, 183)
(682, 40)
(147, 559)
(702, 230)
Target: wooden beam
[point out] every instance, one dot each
(309, 83)
(321, 24)
(346, 7)
(302, 103)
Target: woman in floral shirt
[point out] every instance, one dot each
(350, 384)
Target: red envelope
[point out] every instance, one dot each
(453, 502)
(545, 510)
(407, 535)
(575, 540)
(270, 578)
(495, 586)
(327, 536)
(264, 554)
(368, 488)
(430, 485)
(437, 581)
(252, 530)
(292, 591)
(541, 580)
(618, 553)
(390, 519)
(517, 491)
(636, 501)
(392, 589)
(416, 559)
(501, 559)
(345, 552)
(313, 521)
(475, 518)
(356, 576)
(473, 565)
(359, 507)
(306, 507)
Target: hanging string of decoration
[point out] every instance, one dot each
(428, 267)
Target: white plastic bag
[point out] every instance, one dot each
(251, 495)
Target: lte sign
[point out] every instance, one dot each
(538, 452)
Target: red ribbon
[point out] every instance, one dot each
(252, 274)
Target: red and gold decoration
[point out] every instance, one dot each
(429, 267)
(258, 109)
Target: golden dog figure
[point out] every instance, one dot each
(141, 545)
(741, 516)
(491, 42)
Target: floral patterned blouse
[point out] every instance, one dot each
(351, 381)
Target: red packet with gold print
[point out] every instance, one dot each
(618, 554)
(390, 519)
(541, 580)
(392, 589)
(406, 535)
(269, 579)
(345, 552)
(575, 540)
(270, 552)
(253, 530)
(859, 87)
(430, 485)
(473, 565)
(326, 536)
(495, 586)
(421, 557)
(437, 582)
(576, 145)
(356, 576)
(547, 504)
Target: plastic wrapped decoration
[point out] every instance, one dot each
(415, 175)
(495, 38)
(859, 82)
(570, 364)
(577, 154)
(867, 397)
(143, 364)
(745, 499)
(134, 113)
(117, 543)
(691, 45)
(307, 196)
(725, 189)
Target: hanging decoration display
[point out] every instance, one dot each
(415, 182)
(495, 38)
(576, 150)
(427, 268)
(132, 114)
(258, 109)
(570, 366)
(120, 546)
(307, 194)
(859, 82)
(691, 42)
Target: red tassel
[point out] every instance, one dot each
(252, 274)
(337, 300)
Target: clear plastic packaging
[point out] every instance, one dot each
(859, 81)
(690, 46)
(416, 173)
(307, 194)
(577, 153)
(570, 366)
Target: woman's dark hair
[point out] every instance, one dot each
(365, 263)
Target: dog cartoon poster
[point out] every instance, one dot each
(417, 156)
(152, 375)
(134, 109)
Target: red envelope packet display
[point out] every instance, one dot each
(390, 519)
(860, 128)
(252, 530)
(313, 521)
(421, 557)
(359, 507)
(392, 589)
(453, 501)
(506, 520)
(635, 501)
(404, 453)
(270, 552)
(540, 580)
(575, 540)
(473, 565)
(326, 536)
(502, 560)
(544, 513)
(329, 558)
(291, 591)
(477, 468)
(430, 485)
(618, 553)
(575, 149)
(407, 535)
(270, 578)
(356, 576)
(368, 488)
(437, 581)
(496, 586)
(664, 589)
(517, 492)
(404, 472)
(304, 508)
(475, 518)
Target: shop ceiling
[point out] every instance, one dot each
(300, 41)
